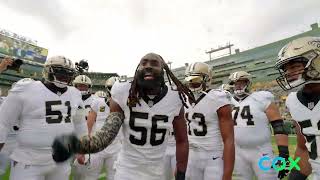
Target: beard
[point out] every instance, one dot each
(155, 83)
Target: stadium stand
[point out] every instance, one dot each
(259, 62)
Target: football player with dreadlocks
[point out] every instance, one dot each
(98, 113)
(299, 67)
(252, 113)
(43, 110)
(146, 108)
(210, 127)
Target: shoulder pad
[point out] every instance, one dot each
(119, 88)
(219, 93)
(21, 85)
(263, 95)
(290, 98)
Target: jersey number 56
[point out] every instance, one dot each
(144, 131)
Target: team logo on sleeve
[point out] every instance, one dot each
(102, 108)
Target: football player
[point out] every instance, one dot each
(210, 127)
(299, 67)
(252, 114)
(147, 109)
(97, 115)
(83, 84)
(43, 110)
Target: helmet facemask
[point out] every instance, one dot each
(59, 76)
(83, 84)
(309, 74)
(83, 88)
(197, 83)
(198, 77)
(241, 92)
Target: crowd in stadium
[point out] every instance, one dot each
(150, 128)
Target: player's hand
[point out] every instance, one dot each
(81, 158)
(283, 153)
(64, 147)
(180, 175)
(5, 63)
(285, 172)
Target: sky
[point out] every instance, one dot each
(113, 35)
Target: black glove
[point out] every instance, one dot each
(64, 147)
(180, 175)
(284, 153)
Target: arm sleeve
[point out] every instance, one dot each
(102, 138)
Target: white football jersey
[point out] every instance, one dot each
(87, 103)
(41, 115)
(145, 129)
(251, 123)
(100, 107)
(307, 116)
(203, 122)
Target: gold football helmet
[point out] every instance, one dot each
(198, 76)
(83, 79)
(59, 70)
(240, 75)
(306, 50)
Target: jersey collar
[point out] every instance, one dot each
(308, 100)
(155, 100)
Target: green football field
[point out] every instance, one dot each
(292, 146)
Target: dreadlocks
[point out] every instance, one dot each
(135, 93)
